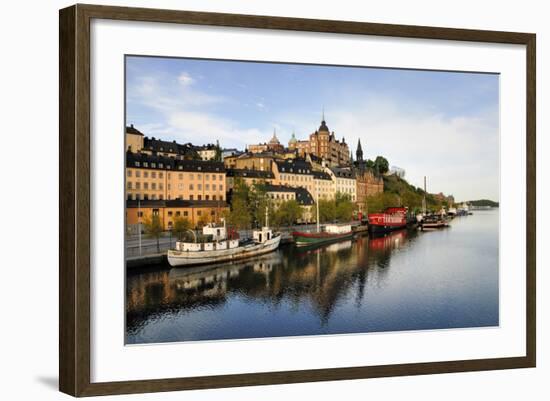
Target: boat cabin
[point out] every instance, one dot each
(218, 233)
(263, 235)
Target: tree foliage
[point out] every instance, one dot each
(381, 165)
(154, 228)
(340, 208)
(287, 213)
(180, 227)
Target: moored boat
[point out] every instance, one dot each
(392, 218)
(433, 222)
(221, 248)
(332, 232)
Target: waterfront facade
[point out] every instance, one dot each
(152, 177)
(198, 213)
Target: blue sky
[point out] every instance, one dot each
(440, 124)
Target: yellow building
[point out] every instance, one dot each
(294, 173)
(151, 177)
(282, 193)
(325, 186)
(345, 181)
(136, 142)
(250, 177)
(252, 161)
(197, 212)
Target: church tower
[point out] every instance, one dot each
(359, 152)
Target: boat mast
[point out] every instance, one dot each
(317, 203)
(424, 199)
(266, 218)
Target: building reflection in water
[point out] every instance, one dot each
(318, 276)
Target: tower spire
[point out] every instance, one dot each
(359, 152)
(323, 113)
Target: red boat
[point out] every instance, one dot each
(393, 218)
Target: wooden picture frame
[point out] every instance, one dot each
(74, 199)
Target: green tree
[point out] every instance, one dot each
(381, 164)
(343, 207)
(327, 211)
(239, 216)
(288, 213)
(258, 201)
(153, 228)
(180, 227)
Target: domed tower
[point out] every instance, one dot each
(292, 142)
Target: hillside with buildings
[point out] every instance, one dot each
(205, 182)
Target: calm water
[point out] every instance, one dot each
(404, 281)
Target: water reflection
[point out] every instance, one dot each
(319, 275)
(402, 281)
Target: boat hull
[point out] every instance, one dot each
(380, 229)
(305, 239)
(194, 258)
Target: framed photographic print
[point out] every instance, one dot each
(250, 200)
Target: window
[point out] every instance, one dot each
(213, 197)
(191, 176)
(129, 185)
(136, 164)
(145, 164)
(220, 177)
(191, 187)
(185, 214)
(178, 213)
(153, 174)
(154, 186)
(138, 173)
(199, 197)
(140, 214)
(199, 187)
(190, 197)
(207, 177)
(138, 185)
(180, 176)
(154, 165)
(213, 187)
(169, 213)
(145, 174)
(129, 173)
(161, 197)
(145, 185)
(199, 213)
(207, 187)
(161, 186)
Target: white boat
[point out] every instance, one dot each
(222, 249)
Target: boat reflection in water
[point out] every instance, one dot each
(358, 285)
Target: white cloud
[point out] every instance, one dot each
(185, 79)
(459, 155)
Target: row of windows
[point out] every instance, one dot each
(161, 165)
(140, 196)
(281, 196)
(137, 185)
(160, 174)
(291, 177)
(154, 186)
(145, 174)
